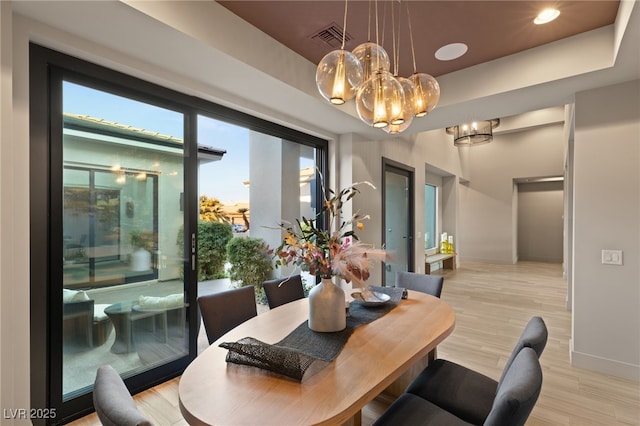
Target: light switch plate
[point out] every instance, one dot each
(612, 257)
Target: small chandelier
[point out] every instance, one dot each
(383, 100)
(474, 133)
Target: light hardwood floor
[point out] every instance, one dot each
(492, 305)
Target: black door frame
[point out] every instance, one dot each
(48, 68)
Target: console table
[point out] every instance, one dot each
(448, 261)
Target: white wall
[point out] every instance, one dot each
(274, 189)
(14, 210)
(6, 189)
(170, 185)
(266, 206)
(479, 213)
(540, 225)
(567, 264)
(606, 298)
(486, 229)
(364, 158)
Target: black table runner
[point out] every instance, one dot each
(294, 354)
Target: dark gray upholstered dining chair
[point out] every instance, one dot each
(513, 401)
(430, 284)
(113, 402)
(227, 309)
(283, 290)
(424, 283)
(466, 393)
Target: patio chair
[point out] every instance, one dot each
(83, 318)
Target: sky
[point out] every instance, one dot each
(223, 179)
(218, 179)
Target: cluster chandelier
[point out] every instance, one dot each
(475, 133)
(383, 100)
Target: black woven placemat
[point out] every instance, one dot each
(253, 352)
(324, 346)
(293, 355)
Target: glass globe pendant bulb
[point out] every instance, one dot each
(395, 103)
(373, 58)
(380, 118)
(409, 90)
(426, 95)
(338, 76)
(378, 99)
(394, 129)
(407, 108)
(397, 108)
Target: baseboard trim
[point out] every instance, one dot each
(604, 365)
(462, 259)
(541, 259)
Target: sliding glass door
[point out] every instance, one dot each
(123, 290)
(114, 188)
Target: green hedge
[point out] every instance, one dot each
(250, 263)
(213, 238)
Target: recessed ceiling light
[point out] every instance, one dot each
(451, 51)
(546, 16)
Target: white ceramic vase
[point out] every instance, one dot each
(327, 307)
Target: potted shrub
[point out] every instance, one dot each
(141, 242)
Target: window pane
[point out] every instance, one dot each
(430, 209)
(123, 290)
(254, 183)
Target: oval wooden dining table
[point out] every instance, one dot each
(214, 392)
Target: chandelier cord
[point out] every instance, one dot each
(377, 35)
(384, 24)
(369, 23)
(399, 28)
(393, 40)
(413, 52)
(344, 26)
